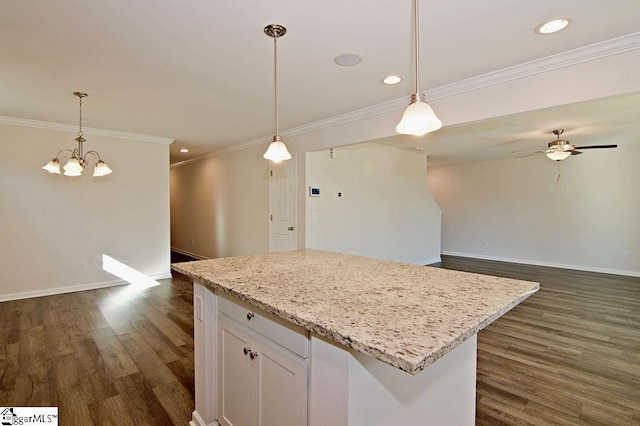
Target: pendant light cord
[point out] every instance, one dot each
(275, 78)
(417, 37)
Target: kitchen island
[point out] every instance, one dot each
(319, 338)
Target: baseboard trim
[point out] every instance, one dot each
(72, 288)
(196, 420)
(542, 263)
(188, 253)
(429, 261)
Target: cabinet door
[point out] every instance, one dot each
(282, 386)
(236, 372)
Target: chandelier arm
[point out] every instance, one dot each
(63, 150)
(95, 153)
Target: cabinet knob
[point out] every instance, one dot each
(253, 355)
(250, 315)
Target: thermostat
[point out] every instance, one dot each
(314, 192)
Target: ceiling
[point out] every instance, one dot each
(607, 121)
(201, 71)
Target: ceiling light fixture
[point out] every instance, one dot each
(559, 149)
(392, 79)
(78, 161)
(277, 150)
(552, 26)
(184, 150)
(418, 119)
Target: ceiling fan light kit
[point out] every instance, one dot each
(561, 149)
(419, 118)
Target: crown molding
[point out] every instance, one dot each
(24, 122)
(569, 58)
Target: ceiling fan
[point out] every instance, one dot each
(560, 149)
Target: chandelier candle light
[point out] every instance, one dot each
(277, 151)
(78, 161)
(418, 119)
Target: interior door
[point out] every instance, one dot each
(282, 206)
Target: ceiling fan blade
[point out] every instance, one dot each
(574, 152)
(596, 146)
(530, 151)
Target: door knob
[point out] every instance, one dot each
(290, 228)
(253, 355)
(246, 351)
(250, 315)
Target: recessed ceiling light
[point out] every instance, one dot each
(392, 79)
(184, 150)
(348, 59)
(553, 26)
(417, 148)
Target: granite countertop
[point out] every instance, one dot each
(405, 315)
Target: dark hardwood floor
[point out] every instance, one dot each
(568, 355)
(114, 356)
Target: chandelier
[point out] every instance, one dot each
(78, 161)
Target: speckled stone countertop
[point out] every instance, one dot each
(405, 315)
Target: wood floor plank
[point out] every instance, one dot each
(99, 354)
(146, 360)
(116, 358)
(110, 411)
(154, 337)
(177, 401)
(569, 354)
(142, 404)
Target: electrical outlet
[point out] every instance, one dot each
(485, 244)
(80, 265)
(550, 188)
(624, 255)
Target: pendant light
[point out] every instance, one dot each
(418, 119)
(78, 161)
(277, 151)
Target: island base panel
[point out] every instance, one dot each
(348, 388)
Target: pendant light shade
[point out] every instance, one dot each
(101, 169)
(52, 166)
(418, 119)
(79, 159)
(73, 167)
(277, 150)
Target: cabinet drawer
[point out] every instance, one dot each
(285, 334)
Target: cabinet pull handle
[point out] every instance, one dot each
(253, 355)
(246, 350)
(250, 315)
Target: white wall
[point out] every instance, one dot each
(584, 221)
(48, 223)
(219, 205)
(385, 210)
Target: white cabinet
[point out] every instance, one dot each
(262, 369)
